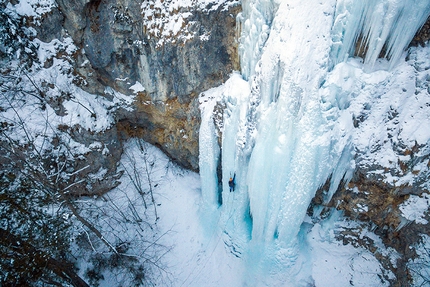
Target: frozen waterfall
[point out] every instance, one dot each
(285, 127)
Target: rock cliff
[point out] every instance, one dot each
(120, 45)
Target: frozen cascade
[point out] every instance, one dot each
(285, 128)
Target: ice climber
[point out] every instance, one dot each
(231, 182)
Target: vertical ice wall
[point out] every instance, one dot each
(293, 151)
(285, 130)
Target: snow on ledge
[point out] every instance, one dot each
(415, 207)
(35, 8)
(137, 87)
(168, 20)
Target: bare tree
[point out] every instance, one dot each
(116, 232)
(49, 217)
(128, 217)
(419, 267)
(34, 235)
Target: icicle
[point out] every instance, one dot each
(376, 28)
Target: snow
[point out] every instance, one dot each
(419, 266)
(190, 254)
(36, 120)
(415, 208)
(35, 8)
(198, 257)
(84, 109)
(169, 21)
(137, 87)
(336, 264)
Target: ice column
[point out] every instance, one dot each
(209, 150)
(292, 156)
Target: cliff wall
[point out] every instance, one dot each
(173, 54)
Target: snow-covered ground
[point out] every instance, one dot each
(192, 254)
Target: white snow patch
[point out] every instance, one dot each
(137, 87)
(415, 208)
(99, 175)
(35, 8)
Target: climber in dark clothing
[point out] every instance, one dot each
(231, 182)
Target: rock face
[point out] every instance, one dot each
(423, 35)
(122, 50)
